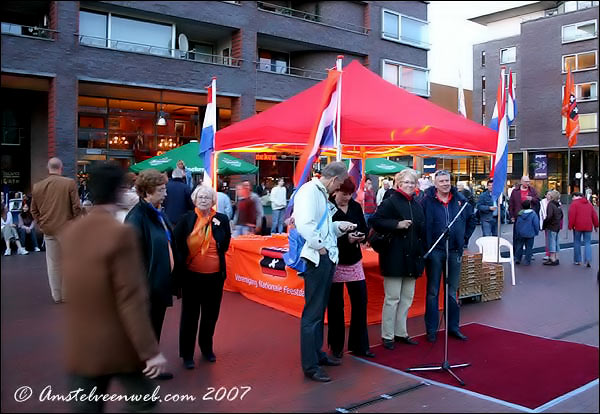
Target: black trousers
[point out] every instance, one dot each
(200, 291)
(132, 383)
(358, 337)
(157, 317)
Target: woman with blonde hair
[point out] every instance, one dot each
(203, 237)
(401, 263)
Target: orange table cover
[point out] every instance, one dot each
(252, 263)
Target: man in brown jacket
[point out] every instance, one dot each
(109, 334)
(54, 202)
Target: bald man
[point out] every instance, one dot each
(54, 202)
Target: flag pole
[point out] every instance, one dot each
(338, 153)
(568, 185)
(499, 210)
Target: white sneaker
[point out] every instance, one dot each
(37, 249)
(7, 252)
(23, 251)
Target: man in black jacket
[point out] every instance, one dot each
(178, 200)
(441, 205)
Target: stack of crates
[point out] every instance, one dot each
(492, 281)
(470, 276)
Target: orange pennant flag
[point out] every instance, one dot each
(569, 110)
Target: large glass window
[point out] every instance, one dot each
(508, 55)
(579, 31)
(271, 61)
(139, 36)
(93, 28)
(405, 29)
(580, 61)
(413, 79)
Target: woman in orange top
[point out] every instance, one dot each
(202, 237)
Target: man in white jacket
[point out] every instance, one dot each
(278, 204)
(321, 254)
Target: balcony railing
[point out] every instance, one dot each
(28, 31)
(288, 70)
(315, 18)
(124, 46)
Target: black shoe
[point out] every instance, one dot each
(405, 340)
(458, 335)
(337, 355)
(588, 264)
(210, 357)
(189, 363)
(319, 375)
(517, 262)
(388, 343)
(368, 353)
(431, 337)
(330, 362)
(164, 376)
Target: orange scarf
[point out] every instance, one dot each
(199, 239)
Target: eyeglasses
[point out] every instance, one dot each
(201, 197)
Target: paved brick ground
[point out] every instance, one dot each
(259, 347)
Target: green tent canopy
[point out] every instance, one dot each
(381, 166)
(226, 164)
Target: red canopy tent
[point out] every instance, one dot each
(378, 119)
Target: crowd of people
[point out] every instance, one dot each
(151, 237)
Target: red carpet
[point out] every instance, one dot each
(514, 367)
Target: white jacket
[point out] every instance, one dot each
(310, 202)
(278, 198)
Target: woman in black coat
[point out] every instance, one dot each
(203, 237)
(402, 261)
(156, 241)
(349, 271)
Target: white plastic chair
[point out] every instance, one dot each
(488, 245)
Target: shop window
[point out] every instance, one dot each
(580, 31)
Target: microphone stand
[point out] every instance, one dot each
(445, 366)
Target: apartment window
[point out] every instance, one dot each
(506, 79)
(580, 31)
(508, 55)
(483, 90)
(405, 29)
(412, 78)
(587, 123)
(271, 61)
(512, 132)
(580, 61)
(586, 91)
(93, 28)
(125, 33)
(483, 58)
(569, 6)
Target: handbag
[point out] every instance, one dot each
(380, 242)
(296, 242)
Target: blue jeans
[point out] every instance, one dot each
(277, 221)
(527, 243)
(368, 217)
(553, 243)
(317, 285)
(587, 251)
(436, 265)
(489, 228)
(23, 236)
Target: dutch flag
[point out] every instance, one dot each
(355, 173)
(501, 157)
(511, 109)
(209, 128)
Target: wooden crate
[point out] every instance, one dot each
(470, 275)
(492, 281)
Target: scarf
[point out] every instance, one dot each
(409, 197)
(199, 239)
